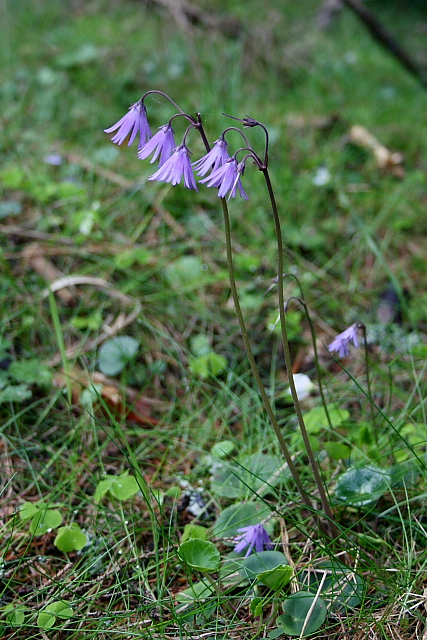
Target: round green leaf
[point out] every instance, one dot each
(256, 606)
(277, 578)
(44, 521)
(45, 620)
(102, 488)
(70, 538)
(60, 608)
(360, 486)
(116, 353)
(28, 510)
(194, 531)
(262, 563)
(260, 470)
(241, 514)
(15, 615)
(296, 621)
(200, 555)
(223, 449)
(124, 487)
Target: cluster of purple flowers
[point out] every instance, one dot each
(174, 161)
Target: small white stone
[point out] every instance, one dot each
(303, 385)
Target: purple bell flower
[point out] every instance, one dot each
(341, 342)
(162, 144)
(227, 178)
(178, 166)
(216, 157)
(253, 537)
(135, 120)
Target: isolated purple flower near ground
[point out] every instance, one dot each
(216, 157)
(341, 342)
(227, 178)
(177, 167)
(162, 144)
(253, 537)
(135, 120)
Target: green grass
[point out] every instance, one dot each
(70, 70)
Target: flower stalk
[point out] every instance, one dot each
(319, 482)
(252, 363)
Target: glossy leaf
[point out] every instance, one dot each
(360, 486)
(200, 555)
(241, 514)
(296, 620)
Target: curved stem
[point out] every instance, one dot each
(325, 502)
(165, 95)
(254, 369)
(314, 342)
(239, 131)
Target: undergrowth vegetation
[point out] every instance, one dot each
(143, 490)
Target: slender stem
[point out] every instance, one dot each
(368, 378)
(316, 353)
(238, 131)
(165, 95)
(201, 130)
(325, 502)
(254, 369)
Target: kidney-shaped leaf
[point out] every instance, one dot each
(360, 486)
(200, 555)
(241, 514)
(262, 563)
(70, 538)
(297, 619)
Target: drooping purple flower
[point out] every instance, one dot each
(216, 157)
(253, 537)
(135, 120)
(341, 342)
(178, 166)
(227, 178)
(162, 144)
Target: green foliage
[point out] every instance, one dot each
(31, 372)
(16, 381)
(361, 486)
(194, 531)
(300, 617)
(46, 619)
(186, 273)
(269, 568)
(200, 555)
(223, 449)
(258, 470)
(205, 362)
(240, 514)
(316, 419)
(115, 354)
(42, 519)
(15, 614)
(341, 589)
(121, 487)
(70, 538)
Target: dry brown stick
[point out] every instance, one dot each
(384, 37)
(34, 256)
